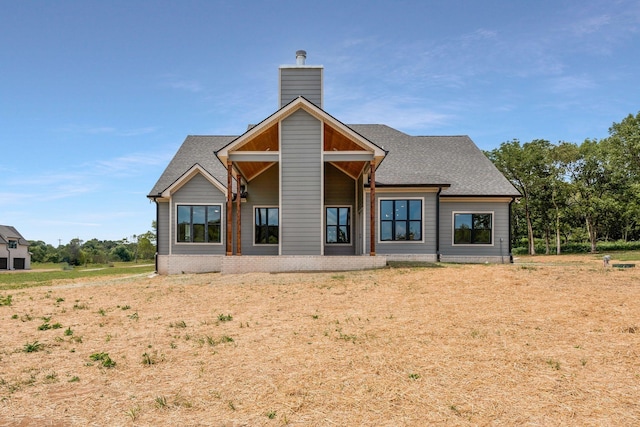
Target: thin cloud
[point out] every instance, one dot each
(569, 84)
(186, 85)
(106, 130)
(131, 163)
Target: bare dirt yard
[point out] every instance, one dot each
(545, 341)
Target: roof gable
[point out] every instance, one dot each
(188, 175)
(268, 124)
(195, 150)
(8, 232)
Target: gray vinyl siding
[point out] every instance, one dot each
(197, 191)
(298, 81)
(429, 224)
(500, 228)
(263, 191)
(163, 228)
(301, 175)
(339, 190)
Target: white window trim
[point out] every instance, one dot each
(472, 245)
(253, 225)
(379, 222)
(351, 228)
(222, 224)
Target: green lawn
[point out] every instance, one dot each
(44, 274)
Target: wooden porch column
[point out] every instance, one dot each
(372, 209)
(238, 216)
(229, 208)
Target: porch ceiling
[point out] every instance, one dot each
(264, 141)
(268, 141)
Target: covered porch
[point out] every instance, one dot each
(335, 148)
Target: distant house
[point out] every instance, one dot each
(14, 250)
(303, 191)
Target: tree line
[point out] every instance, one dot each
(94, 251)
(575, 196)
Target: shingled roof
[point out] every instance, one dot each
(194, 150)
(8, 232)
(453, 161)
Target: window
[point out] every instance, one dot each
(267, 230)
(400, 220)
(200, 223)
(13, 244)
(472, 228)
(338, 223)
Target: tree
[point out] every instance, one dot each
(625, 139)
(527, 166)
(592, 175)
(122, 253)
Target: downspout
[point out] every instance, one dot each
(513, 199)
(157, 232)
(438, 224)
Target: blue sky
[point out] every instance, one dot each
(97, 96)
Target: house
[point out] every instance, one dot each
(14, 250)
(303, 191)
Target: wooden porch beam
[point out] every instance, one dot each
(238, 216)
(229, 208)
(372, 208)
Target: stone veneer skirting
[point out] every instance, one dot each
(181, 264)
(471, 259)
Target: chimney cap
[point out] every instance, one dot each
(301, 56)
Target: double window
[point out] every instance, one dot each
(266, 226)
(199, 223)
(338, 225)
(401, 220)
(472, 228)
(13, 244)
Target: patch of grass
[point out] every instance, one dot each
(133, 413)
(35, 277)
(82, 306)
(414, 376)
(271, 414)
(68, 332)
(413, 264)
(6, 300)
(161, 402)
(554, 364)
(133, 316)
(101, 312)
(179, 324)
(104, 359)
(346, 337)
(45, 326)
(33, 347)
(225, 318)
(149, 359)
(125, 307)
(52, 377)
(74, 379)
